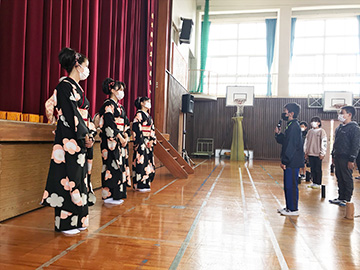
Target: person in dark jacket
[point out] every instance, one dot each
(345, 150)
(304, 131)
(292, 157)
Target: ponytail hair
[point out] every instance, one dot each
(109, 84)
(68, 58)
(139, 100)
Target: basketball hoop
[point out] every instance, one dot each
(239, 102)
(338, 105)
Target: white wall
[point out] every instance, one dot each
(285, 9)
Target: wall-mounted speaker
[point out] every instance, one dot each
(186, 28)
(187, 105)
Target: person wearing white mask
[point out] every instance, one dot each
(315, 150)
(345, 150)
(114, 134)
(67, 187)
(144, 141)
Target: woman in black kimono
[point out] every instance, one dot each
(114, 139)
(67, 187)
(144, 141)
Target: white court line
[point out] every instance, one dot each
(274, 242)
(243, 196)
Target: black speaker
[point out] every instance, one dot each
(186, 30)
(187, 103)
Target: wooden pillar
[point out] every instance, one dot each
(162, 62)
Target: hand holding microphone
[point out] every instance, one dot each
(278, 127)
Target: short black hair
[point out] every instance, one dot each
(69, 57)
(316, 119)
(349, 109)
(293, 107)
(304, 123)
(139, 100)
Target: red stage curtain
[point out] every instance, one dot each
(116, 35)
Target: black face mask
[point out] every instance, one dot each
(284, 117)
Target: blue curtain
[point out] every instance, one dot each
(292, 37)
(270, 42)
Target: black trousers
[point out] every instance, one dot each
(344, 178)
(316, 169)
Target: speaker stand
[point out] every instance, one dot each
(184, 152)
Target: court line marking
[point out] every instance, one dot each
(304, 244)
(186, 242)
(243, 196)
(268, 227)
(200, 163)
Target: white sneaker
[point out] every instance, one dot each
(144, 190)
(82, 229)
(287, 212)
(279, 210)
(314, 186)
(71, 232)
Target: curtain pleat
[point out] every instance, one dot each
(113, 34)
(270, 43)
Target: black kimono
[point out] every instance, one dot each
(68, 189)
(144, 141)
(113, 172)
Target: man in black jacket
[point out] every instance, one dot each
(345, 150)
(292, 157)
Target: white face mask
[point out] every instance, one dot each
(84, 74)
(148, 105)
(341, 118)
(302, 129)
(119, 95)
(314, 124)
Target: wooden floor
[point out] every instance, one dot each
(222, 217)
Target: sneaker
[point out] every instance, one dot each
(287, 212)
(280, 210)
(303, 177)
(342, 203)
(314, 186)
(71, 232)
(335, 201)
(357, 177)
(82, 229)
(144, 189)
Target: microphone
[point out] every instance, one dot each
(279, 124)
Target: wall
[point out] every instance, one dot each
(212, 119)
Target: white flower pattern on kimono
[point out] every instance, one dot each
(108, 175)
(58, 154)
(109, 132)
(68, 185)
(89, 163)
(114, 165)
(84, 198)
(104, 154)
(63, 119)
(111, 144)
(81, 159)
(105, 193)
(57, 222)
(55, 200)
(74, 221)
(92, 198)
(85, 221)
(103, 168)
(71, 146)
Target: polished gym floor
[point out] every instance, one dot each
(222, 217)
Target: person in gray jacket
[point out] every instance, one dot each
(345, 151)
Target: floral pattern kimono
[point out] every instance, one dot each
(143, 159)
(113, 174)
(125, 150)
(68, 188)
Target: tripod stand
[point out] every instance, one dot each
(184, 152)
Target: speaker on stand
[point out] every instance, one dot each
(187, 106)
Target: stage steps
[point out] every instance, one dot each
(171, 158)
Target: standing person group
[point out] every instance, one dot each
(68, 188)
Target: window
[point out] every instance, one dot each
(325, 57)
(237, 55)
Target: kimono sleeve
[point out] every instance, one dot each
(152, 134)
(69, 114)
(136, 128)
(110, 126)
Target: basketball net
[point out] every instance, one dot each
(239, 102)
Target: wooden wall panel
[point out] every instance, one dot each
(212, 119)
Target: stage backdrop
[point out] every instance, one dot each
(116, 35)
